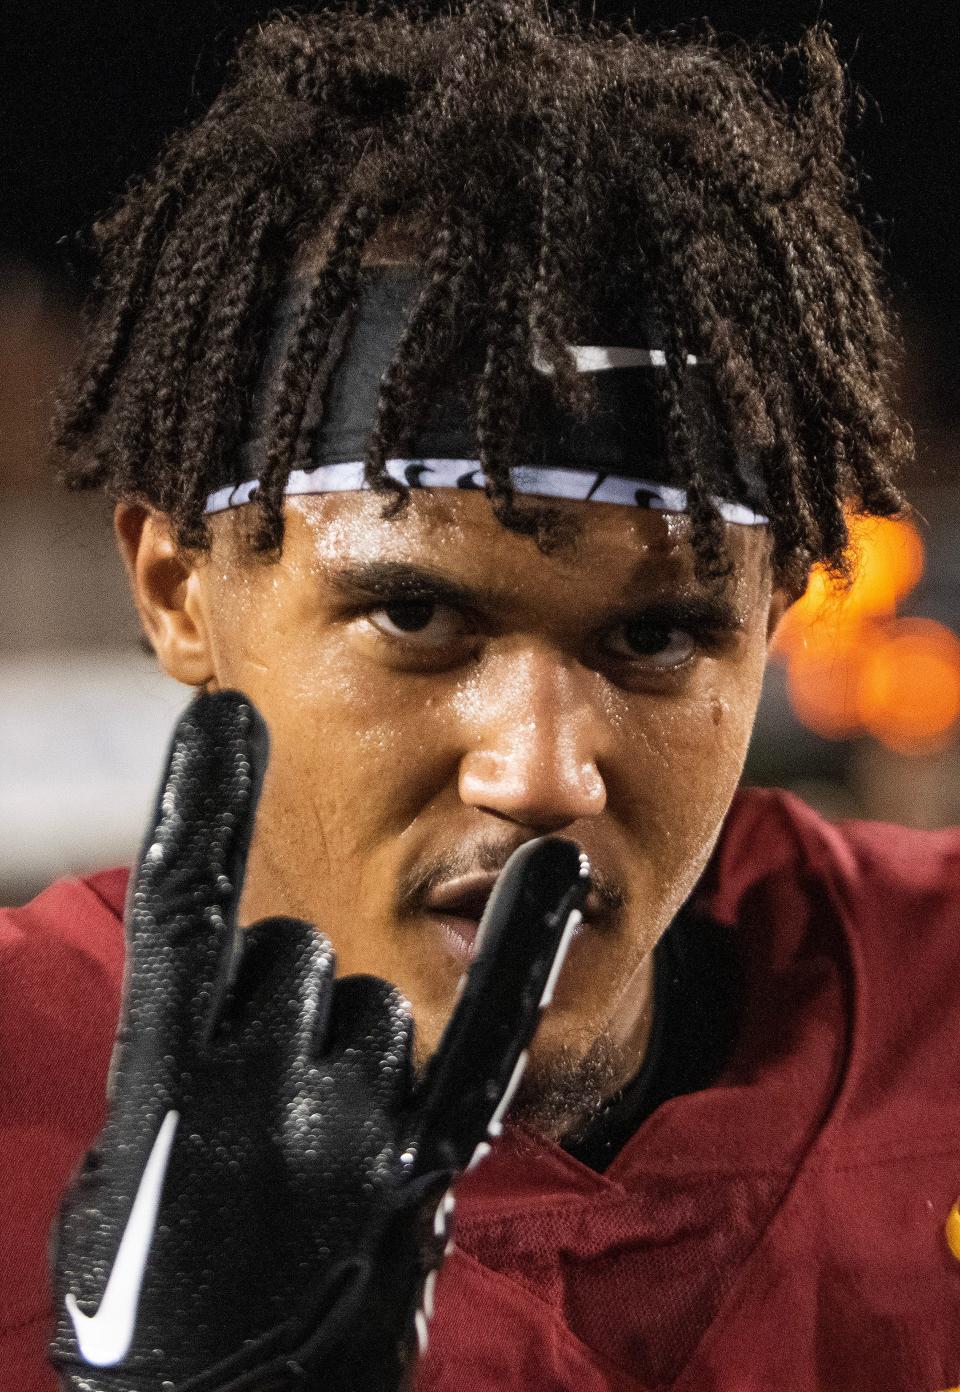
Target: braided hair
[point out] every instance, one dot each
(542, 169)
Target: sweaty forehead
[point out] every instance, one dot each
(610, 548)
(445, 522)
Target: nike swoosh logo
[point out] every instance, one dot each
(105, 1337)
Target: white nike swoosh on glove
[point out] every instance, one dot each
(105, 1337)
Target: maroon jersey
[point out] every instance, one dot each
(780, 1229)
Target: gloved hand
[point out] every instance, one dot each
(269, 1199)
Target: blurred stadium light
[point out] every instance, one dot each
(854, 667)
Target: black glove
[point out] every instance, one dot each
(269, 1200)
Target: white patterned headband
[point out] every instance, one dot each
(616, 456)
(582, 485)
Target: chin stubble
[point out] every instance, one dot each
(561, 1092)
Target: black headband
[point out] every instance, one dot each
(616, 455)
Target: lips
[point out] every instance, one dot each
(458, 906)
(464, 897)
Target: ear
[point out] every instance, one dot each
(780, 602)
(165, 583)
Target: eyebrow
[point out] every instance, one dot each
(392, 580)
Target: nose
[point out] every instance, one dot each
(535, 742)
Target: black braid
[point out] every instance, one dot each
(404, 397)
(228, 371)
(550, 306)
(314, 329)
(191, 284)
(547, 172)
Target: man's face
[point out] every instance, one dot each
(438, 692)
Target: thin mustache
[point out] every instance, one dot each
(489, 856)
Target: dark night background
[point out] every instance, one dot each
(96, 86)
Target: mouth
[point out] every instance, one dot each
(457, 906)
(458, 935)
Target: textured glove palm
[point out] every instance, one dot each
(270, 1192)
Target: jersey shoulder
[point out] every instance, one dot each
(869, 867)
(73, 928)
(881, 903)
(61, 970)
(61, 973)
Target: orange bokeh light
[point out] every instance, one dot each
(909, 687)
(888, 561)
(823, 682)
(853, 667)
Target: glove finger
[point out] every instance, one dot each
(181, 907)
(522, 939)
(369, 1046)
(280, 995)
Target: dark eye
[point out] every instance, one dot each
(426, 622)
(410, 617)
(659, 646)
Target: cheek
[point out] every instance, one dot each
(678, 766)
(358, 776)
(352, 762)
(671, 746)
